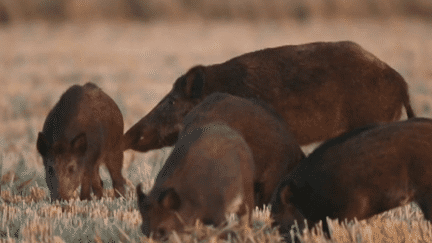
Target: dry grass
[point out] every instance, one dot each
(136, 65)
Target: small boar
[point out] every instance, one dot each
(82, 131)
(320, 90)
(357, 175)
(209, 174)
(275, 150)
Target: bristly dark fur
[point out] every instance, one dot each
(274, 148)
(320, 90)
(211, 178)
(271, 150)
(83, 130)
(359, 174)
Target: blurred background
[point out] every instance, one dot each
(255, 10)
(135, 49)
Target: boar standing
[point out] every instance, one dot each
(82, 131)
(319, 89)
(275, 150)
(360, 174)
(210, 175)
(271, 149)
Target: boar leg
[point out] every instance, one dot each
(425, 205)
(258, 193)
(86, 184)
(263, 192)
(97, 184)
(268, 189)
(247, 206)
(114, 163)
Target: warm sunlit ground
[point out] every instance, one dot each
(136, 65)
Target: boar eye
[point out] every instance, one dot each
(161, 232)
(171, 102)
(71, 169)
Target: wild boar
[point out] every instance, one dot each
(360, 174)
(275, 150)
(82, 131)
(209, 174)
(320, 90)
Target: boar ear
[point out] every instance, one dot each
(169, 199)
(79, 143)
(42, 144)
(194, 82)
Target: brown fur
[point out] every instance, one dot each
(274, 149)
(208, 174)
(362, 173)
(82, 131)
(320, 89)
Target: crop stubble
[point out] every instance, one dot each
(136, 65)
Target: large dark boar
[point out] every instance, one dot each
(362, 173)
(82, 131)
(275, 150)
(320, 89)
(209, 174)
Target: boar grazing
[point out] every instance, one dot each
(82, 131)
(275, 150)
(208, 175)
(319, 89)
(362, 173)
(271, 149)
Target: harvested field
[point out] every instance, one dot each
(136, 63)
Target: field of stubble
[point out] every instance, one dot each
(136, 64)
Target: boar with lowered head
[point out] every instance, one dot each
(262, 142)
(208, 175)
(82, 131)
(275, 150)
(357, 175)
(319, 89)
